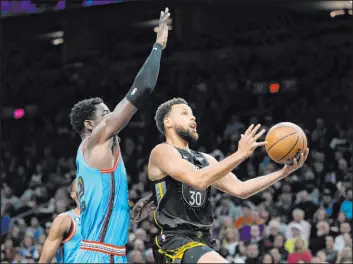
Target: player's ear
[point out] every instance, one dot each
(167, 122)
(89, 124)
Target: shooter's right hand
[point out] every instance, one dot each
(247, 143)
(162, 32)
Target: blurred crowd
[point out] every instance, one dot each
(305, 218)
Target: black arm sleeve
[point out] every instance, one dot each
(146, 79)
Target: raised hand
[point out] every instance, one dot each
(248, 142)
(296, 164)
(162, 33)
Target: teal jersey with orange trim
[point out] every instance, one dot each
(103, 196)
(67, 251)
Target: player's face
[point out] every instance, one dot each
(101, 112)
(183, 121)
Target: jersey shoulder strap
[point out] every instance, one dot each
(72, 230)
(194, 157)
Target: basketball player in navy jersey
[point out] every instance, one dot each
(182, 181)
(101, 174)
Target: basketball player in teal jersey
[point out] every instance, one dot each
(182, 181)
(101, 174)
(65, 234)
(64, 237)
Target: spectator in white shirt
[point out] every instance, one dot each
(298, 216)
(339, 240)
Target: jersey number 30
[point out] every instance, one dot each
(195, 198)
(81, 191)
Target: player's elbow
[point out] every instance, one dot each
(244, 196)
(241, 192)
(200, 183)
(197, 182)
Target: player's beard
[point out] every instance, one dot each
(187, 135)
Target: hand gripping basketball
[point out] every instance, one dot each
(248, 142)
(297, 163)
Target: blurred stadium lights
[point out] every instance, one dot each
(57, 41)
(319, 6)
(340, 13)
(56, 37)
(17, 113)
(53, 35)
(333, 5)
(336, 8)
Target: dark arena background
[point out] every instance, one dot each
(236, 62)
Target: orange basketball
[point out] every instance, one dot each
(285, 141)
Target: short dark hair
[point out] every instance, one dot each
(83, 110)
(164, 109)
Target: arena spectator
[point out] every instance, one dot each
(277, 257)
(347, 205)
(317, 240)
(345, 228)
(240, 253)
(300, 252)
(285, 204)
(245, 219)
(331, 253)
(227, 208)
(272, 231)
(329, 204)
(306, 204)
(298, 216)
(345, 256)
(252, 254)
(267, 259)
(279, 245)
(231, 241)
(296, 233)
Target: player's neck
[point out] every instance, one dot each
(84, 136)
(177, 142)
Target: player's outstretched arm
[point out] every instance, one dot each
(164, 158)
(59, 228)
(244, 189)
(144, 83)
